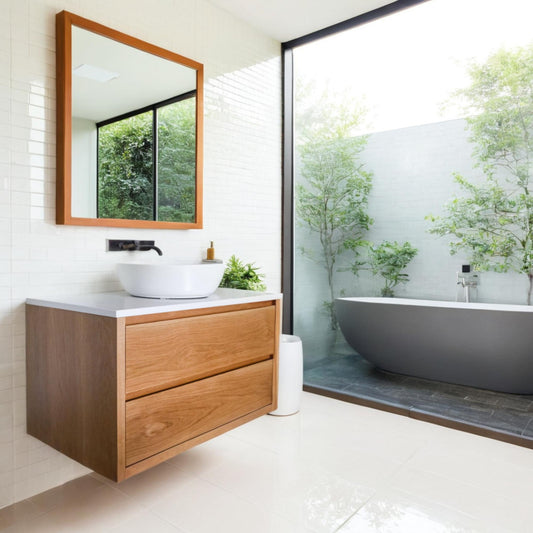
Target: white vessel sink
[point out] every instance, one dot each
(170, 280)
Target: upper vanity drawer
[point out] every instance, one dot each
(164, 354)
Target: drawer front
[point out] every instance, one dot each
(161, 355)
(159, 421)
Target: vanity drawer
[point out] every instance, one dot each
(159, 421)
(161, 355)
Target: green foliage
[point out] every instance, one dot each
(125, 187)
(125, 165)
(332, 201)
(499, 102)
(388, 260)
(494, 220)
(177, 161)
(490, 224)
(237, 275)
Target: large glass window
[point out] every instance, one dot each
(412, 157)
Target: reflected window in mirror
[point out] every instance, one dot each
(146, 163)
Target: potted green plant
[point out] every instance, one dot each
(238, 275)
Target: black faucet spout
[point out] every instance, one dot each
(143, 247)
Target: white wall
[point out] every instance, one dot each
(242, 182)
(84, 174)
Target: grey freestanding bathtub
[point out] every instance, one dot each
(489, 346)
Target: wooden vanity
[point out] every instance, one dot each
(121, 384)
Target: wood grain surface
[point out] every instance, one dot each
(160, 355)
(165, 419)
(73, 384)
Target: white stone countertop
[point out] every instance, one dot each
(121, 304)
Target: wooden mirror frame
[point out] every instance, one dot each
(64, 23)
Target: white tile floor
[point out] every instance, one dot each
(332, 467)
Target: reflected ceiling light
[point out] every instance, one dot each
(95, 73)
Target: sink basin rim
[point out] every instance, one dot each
(170, 280)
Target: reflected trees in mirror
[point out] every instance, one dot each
(146, 164)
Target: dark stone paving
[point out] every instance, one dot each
(350, 374)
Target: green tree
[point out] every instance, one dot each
(126, 170)
(125, 181)
(332, 199)
(494, 220)
(176, 185)
(388, 260)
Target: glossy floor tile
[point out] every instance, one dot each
(333, 467)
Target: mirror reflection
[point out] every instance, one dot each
(129, 130)
(133, 132)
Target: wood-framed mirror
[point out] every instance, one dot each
(129, 130)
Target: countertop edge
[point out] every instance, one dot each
(95, 303)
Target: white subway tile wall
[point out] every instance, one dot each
(242, 182)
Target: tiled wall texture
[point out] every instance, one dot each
(412, 178)
(242, 182)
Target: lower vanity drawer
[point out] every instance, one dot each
(159, 421)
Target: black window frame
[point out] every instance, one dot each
(153, 108)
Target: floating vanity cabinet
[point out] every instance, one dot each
(123, 384)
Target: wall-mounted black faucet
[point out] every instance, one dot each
(114, 245)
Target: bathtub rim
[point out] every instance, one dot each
(482, 306)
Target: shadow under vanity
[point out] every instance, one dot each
(121, 384)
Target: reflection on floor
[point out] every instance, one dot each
(348, 373)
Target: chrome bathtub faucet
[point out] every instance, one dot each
(468, 280)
